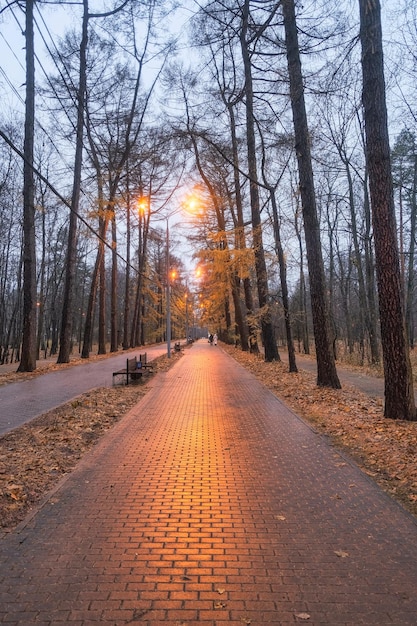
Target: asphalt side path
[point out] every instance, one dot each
(23, 401)
(212, 503)
(370, 385)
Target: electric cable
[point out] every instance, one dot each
(67, 204)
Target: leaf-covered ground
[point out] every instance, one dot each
(385, 449)
(35, 457)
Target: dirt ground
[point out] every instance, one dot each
(36, 456)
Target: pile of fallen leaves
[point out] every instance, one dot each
(384, 449)
(35, 456)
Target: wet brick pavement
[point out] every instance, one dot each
(212, 503)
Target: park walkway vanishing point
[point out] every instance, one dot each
(212, 503)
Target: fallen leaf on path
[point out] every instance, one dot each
(341, 554)
(383, 448)
(220, 605)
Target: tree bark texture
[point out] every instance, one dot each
(245, 330)
(89, 316)
(399, 393)
(28, 356)
(68, 303)
(114, 325)
(268, 334)
(326, 367)
(292, 364)
(409, 310)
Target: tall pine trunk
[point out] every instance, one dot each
(292, 364)
(28, 356)
(68, 304)
(246, 330)
(268, 334)
(114, 325)
(409, 310)
(399, 393)
(326, 368)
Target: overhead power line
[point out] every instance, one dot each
(13, 146)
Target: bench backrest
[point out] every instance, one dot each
(131, 364)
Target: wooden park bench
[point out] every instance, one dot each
(143, 359)
(134, 369)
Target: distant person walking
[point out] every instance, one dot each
(215, 339)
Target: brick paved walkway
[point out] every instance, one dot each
(212, 503)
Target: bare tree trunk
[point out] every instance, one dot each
(409, 311)
(326, 367)
(345, 280)
(126, 313)
(114, 327)
(303, 290)
(28, 356)
(370, 278)
(281, 261)
(67, 311)
(42, 270)
(245, 330)
(399, 393)
(363, 301)
(268, 335)
(89, 315)
(102, 349)
(137, 329)
(292, 365)
(232, 276)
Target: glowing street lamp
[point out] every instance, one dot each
(190, 205)
(143, 204)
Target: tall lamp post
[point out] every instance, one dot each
(143, 204)
(187, 330)
(170, 275)
(191, 203)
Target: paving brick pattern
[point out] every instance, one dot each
(212, 503)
